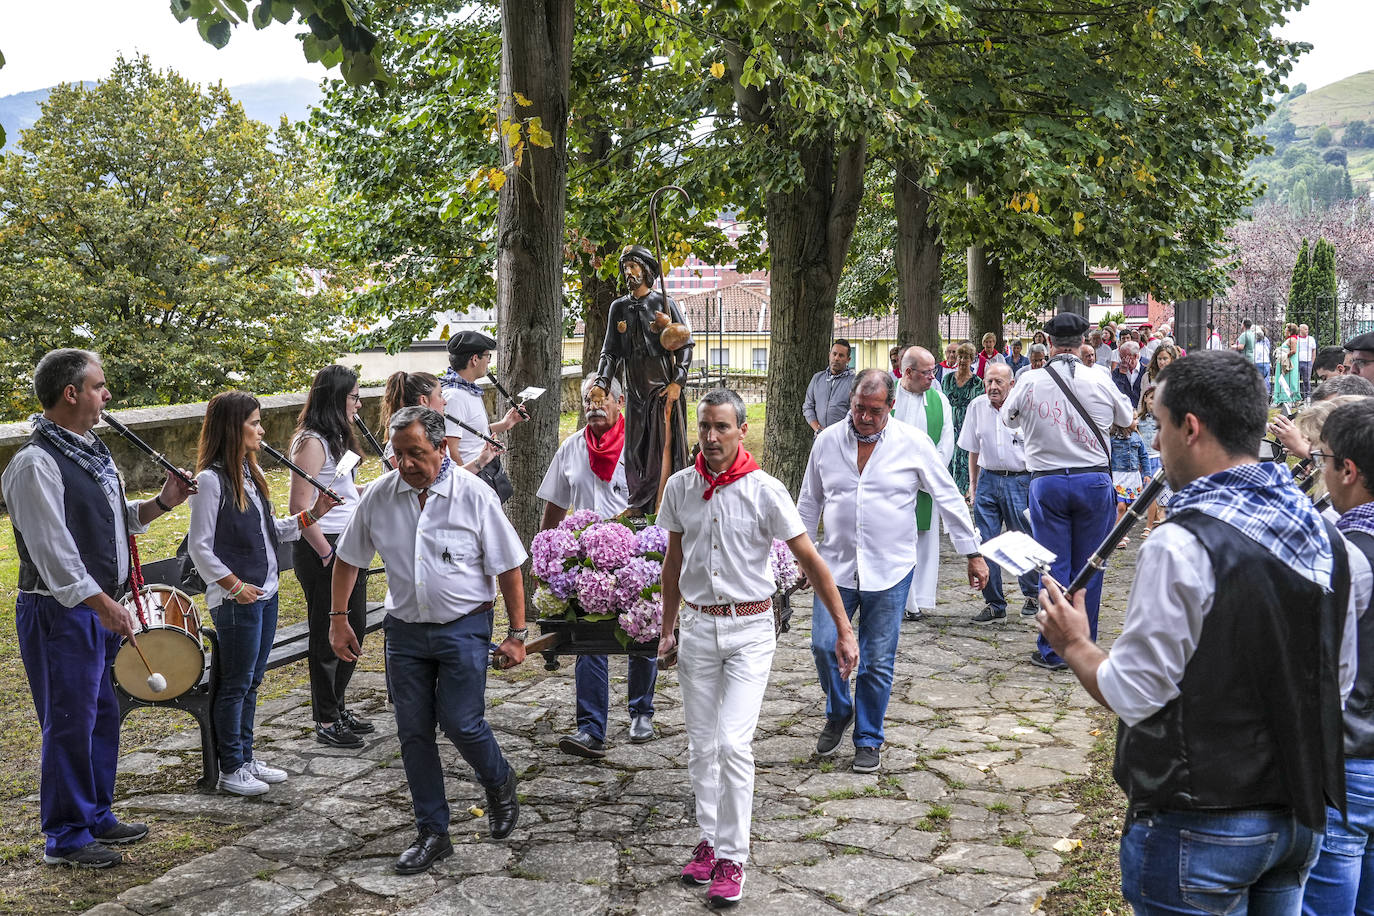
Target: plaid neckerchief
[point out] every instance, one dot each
(92, 455)
(451, 379)
(1360, 518)
(1261, 501)
(866, 440)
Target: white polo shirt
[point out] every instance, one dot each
(570, 481)
(726, 539)
(998, 447)
(441, 562)
(1054, 433)
(472, 410)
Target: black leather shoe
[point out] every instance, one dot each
(427, 849)
(503, 807)
(582, 744)
(337, 735)
(917, 614)
(356, 723)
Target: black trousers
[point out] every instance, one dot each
(329, 675)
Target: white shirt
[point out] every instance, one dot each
(200, 537)
(911, 409)
(1053, 430)
(34, 495)
(1170, 598)
(1307, 348)
(998, 448)
(441, 562)
(1214, 342)
(1262, 357)
(870, 524)
(1106, 356)
(472, 410)
(726, 539)
(570, 482)
(337, 518)
(1147, 351)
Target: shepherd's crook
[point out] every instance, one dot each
(665, 468)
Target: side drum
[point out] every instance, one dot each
(171, 642)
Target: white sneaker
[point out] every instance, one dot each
(265, 773)
(242, 782)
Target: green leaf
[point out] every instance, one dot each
(262, 14)
(215, 31)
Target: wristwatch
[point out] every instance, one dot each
(520, 634)
(973, 556)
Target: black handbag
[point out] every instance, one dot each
(495, 477)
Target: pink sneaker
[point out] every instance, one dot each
(698, 871)
(727, 884)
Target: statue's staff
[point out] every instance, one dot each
(666, 468)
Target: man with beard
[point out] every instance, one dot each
(588, 472)
(647, 336)
(827, 395)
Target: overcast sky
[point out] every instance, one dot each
(39, 54)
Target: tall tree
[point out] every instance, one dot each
(920, 251)
(1300, 287)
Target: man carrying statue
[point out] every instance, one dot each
(646, 334)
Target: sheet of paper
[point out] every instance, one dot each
(347, 463)
(531, 393)
(1017, 552)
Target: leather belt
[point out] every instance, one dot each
(740, 609)
(1003, 473)
(1056, 472)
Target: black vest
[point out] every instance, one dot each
(1258, 721)
(89, 518)
(1359, 708)
(238, 535)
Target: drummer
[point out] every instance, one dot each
(233, 541)
(72, 524)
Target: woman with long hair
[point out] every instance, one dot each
(324, 435)
(1163, 356)
(961, 386)
(408, 389)
(233, 540)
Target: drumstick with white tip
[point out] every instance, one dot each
(156, 682)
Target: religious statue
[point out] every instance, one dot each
(647, 336)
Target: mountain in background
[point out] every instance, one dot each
(1351, 99)
(265, 102)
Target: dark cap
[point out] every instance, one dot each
(1362, 342)
(1067, 324)
(641, 254)
(466, 343)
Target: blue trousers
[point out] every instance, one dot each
(1001, 501)
(1342, 881)
(245, 633)
(592, 676)
(1071, 514)
(438, 674)
(1201, 862)
(67, 654)
(880, 623)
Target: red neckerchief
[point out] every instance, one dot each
(604, 455)
(743, 464)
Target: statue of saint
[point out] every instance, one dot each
(647, 336)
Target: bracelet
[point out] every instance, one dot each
(324, 560)
(303, 517)
(236, 590)
(160, 504)
(311, 515)
(338, 613)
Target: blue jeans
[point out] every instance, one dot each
(880, 622)
(592, 676)
(1000, 501)
(67, 654)
(1204, 862)
(1264, 374)
(245, 633)
(1072, 514)
(1342, 881)
(438, 674)
(1305, 377)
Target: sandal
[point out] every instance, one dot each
(1146, 532)
(1122, 543)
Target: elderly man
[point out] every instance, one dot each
(446, 544)
(999, 485)
(588, 471)
(1064, 413)
(1128, 374)
(1307, 354)
(924, 406)
(1359, 355)
(72, 524)
(827, 396)
(1230, 670)
(1105, 355)
(870, 547)
(1039, 354)
(722, 517)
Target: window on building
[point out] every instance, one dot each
(720, 358)
(760, 359)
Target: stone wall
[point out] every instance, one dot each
(174, 430)
(751, 386)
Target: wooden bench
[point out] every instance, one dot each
(291, 644)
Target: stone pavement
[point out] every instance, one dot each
(963, 817)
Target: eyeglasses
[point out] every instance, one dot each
(356, 398)
(928, 373)
(1357, 364)
(1319, 456)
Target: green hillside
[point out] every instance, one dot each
(1323, 145)
(1352, 99)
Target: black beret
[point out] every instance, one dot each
(1067, 324)
(1362, 342)
(467, 342)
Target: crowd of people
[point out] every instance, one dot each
(1235, 721)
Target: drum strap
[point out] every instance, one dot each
(136, 581)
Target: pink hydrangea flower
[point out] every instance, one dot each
(608, 545)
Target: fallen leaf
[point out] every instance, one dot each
(1067, 845)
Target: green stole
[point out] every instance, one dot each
(935, 425)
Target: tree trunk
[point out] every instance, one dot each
(919, 251)
(986, 287)
(536, 56)
(597, 295)
(809, 230)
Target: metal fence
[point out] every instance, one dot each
(1331, 321)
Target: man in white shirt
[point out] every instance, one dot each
(1307, 353)
(1213, 338)
(924, 406)
(469, 358)
(722, 517)
(999, 486)
(446, 544)
(588, 471)
(1229, 698)
(1072, 500)
(862, 480)
(72, 524)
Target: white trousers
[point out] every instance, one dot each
(927, 576)
(723, 667)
